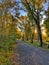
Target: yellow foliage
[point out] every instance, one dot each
(38, 3)
(32, 1)
(24, 2)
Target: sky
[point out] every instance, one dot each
(46, 6)
(22, 12)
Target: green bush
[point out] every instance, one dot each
(6, 48)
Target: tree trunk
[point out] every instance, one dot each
(27, 37)
(39, 28)
(23, 37)
(32, 38)
(39, 34)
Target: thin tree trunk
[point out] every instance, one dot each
(32, 38)
(27, 37)
(39, 34)
(23, 37)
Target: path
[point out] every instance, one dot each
(30, 55)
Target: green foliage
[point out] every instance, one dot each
(7, 42)
(6, 49)
(47, 24)
(8, 34)
(35, 43)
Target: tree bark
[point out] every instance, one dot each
(39, 34)
(39, 29)
(32, 38)
(27, 37)
(23, 37)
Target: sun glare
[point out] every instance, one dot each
(44, 33)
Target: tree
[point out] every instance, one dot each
(34, 8)
(46, 22)
(27, 29)
(5, 10)
(47, 18)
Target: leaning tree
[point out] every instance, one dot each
(34, 8)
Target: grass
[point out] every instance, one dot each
(32, 44)
(6, 49)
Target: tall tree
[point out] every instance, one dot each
(8, 7)
(34, 8)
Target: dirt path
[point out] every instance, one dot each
(29, 55)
